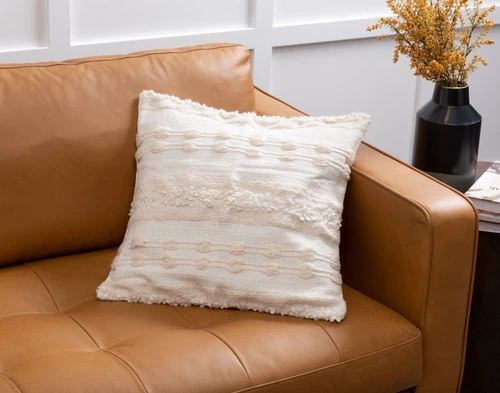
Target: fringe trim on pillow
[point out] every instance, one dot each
(149, 100)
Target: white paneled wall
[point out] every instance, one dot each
(315, 54)
(132, 19)
(23, 25)
(297, 12)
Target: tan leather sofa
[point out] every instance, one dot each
(66, 181)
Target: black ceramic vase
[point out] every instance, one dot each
(447, 137)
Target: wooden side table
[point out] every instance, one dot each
(482, 362)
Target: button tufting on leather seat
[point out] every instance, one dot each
(52, 325)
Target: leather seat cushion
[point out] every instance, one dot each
(55, 336)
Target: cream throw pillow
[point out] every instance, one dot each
(236, 210)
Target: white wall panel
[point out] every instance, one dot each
(23, 25)
(350, 76)
(94, 21)
(296, 12)
(485, 97)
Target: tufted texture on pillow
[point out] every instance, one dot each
(236, 210)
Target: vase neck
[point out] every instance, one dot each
(451, 96)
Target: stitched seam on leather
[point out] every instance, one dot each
(45, 285)
(469, 304)
(234, 353)
(113, 58)
(225, 343)
(331, 339)
(83, 329)
(74, 305)
(108, 352)
(184, 317)
(21, 314)
(11, 382)
(341, 364)
(139, 380)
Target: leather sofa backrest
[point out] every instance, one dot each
(67, 140)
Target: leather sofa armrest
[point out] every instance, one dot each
(410, 243)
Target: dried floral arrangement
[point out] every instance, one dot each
(439, 36)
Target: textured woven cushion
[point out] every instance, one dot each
(236, 210)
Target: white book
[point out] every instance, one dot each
(485, 192)
(488, 216)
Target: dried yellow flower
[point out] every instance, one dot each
(438, 36)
